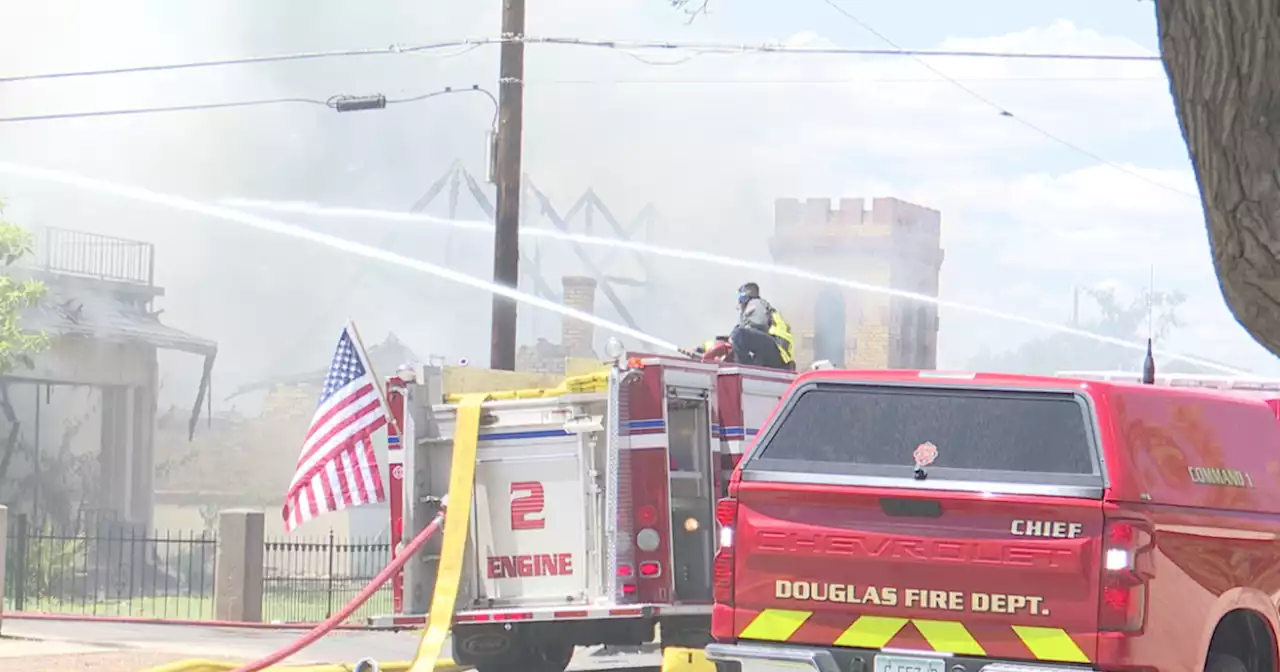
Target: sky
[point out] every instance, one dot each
(1084, 182)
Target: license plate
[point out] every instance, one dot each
(909, 664)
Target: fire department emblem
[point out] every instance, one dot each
(397, 472)
(925, 454)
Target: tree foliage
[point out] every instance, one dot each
(17, 345)
(1154, 312)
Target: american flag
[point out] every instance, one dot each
(337, 468)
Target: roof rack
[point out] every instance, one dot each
(1210, 381)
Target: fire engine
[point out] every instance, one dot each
(593, 518)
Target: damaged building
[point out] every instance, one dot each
(79, 435)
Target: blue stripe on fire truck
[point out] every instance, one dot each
(644, 427)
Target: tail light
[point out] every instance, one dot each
(650, 569)
(627, 579)
(726, 518)
(1126, 570)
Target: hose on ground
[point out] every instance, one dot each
(345, 612)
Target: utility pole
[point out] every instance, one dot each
(506, 241)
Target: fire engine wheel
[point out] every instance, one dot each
(1224, 662)
(532, 657)
(549, 657)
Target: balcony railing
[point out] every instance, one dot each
(95, 256)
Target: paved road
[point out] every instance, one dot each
(347, 646)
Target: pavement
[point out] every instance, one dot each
(76, 645)
(46, 656)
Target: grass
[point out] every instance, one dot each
(283, 607)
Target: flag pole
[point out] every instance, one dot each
(377, 382)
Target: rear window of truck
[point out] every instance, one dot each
(978, 434)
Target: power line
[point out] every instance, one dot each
(331, 102)
(334, 102)
(834, 81)
(1001, 109)
(624, 45)
(153, 110)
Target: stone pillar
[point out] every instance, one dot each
(113, 458)
(4, 538)
(237, 586)
(577, 336)
(142, 468)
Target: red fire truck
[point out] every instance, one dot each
(593, 518)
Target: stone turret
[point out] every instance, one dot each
(892, 244)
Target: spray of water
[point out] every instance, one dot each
(298, 232)
(720, 260)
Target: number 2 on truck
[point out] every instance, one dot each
(524, 506)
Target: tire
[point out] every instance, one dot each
(540, 657)
(549, 657)
(1224, 662)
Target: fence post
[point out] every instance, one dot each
(20, 555)
(4, 555)
(329, 576)
(237, 585)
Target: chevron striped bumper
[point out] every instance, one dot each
(755, 657)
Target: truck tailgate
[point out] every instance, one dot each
(929, 571)
(927, 517)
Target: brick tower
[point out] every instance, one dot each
(894, 244)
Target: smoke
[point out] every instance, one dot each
(710, 141)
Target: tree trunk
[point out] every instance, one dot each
(1223, 62)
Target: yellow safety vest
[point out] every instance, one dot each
(781, 333)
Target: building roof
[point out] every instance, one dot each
(385, 357)
(76, 307)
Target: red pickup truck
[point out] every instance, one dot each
(903, 521)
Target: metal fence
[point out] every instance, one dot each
(112, 569)
(97, 256)
(308, 580)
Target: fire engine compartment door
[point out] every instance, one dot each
(530, 528)
(692, 493)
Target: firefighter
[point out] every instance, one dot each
(762, 337)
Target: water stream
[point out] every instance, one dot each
(711, 258)
(301, 233)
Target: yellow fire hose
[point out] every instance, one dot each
(462, 481)
(195, 665)
(466, 435)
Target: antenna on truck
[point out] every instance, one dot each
(1149, 363)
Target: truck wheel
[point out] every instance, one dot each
(548, 657)
(1224, 662)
